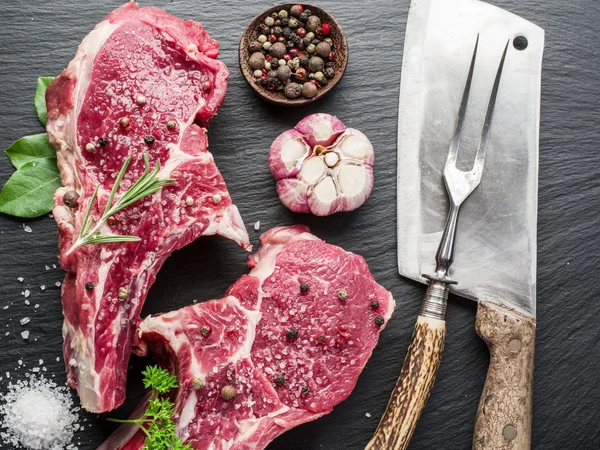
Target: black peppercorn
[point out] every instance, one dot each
(275, 15)
(149, 139)
(274, 64)
(329, 72)
(277, 31)
(329, 64)
(264, 28)
(306, 42)
(305, 390)
(292, 333)
(70, 199)
(287, 33)
(285, 22)
(279, 380)
(304, 288)
(205, 331)
(315, 42)
(379, 321)
(254, 47)
(289, 45)
(89, 286)
(323, 82)
(103, 142)
(374, 305)
(308, 12)
(303, 17)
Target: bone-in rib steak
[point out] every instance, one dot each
(142, 82)
(291, 338)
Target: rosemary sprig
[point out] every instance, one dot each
(147, 184)
(157, 421)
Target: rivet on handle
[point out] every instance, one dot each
(514, 346)
(509, 432)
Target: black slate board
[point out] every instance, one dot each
(39, 38)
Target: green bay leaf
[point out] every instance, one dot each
(30, 148)
(30, 190)
(40, 98)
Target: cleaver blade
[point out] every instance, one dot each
(496, 241)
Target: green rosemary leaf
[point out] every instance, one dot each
(108, 239)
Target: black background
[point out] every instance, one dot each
(39, 38)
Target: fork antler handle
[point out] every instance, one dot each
(504, 415)
(418, 373)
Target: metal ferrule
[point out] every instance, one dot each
(436, 299)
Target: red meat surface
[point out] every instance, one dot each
(150, 68)
(243, 340)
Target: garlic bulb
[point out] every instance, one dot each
(322, 167)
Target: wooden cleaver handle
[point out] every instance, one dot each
(504, 415)
(412, 389)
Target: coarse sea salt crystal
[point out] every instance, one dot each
(26, 293)
(6, 307)
(25, 320)
(47, 267)
(257, 225)
(37, 414)
(57, 284)
(27, 228)
(25, 334)
(368, 415)
(43, 287)
(20, 279)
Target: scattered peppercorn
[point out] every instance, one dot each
(343, 293)
(103, 141)
(321, 338)
(149, 140)
(292, 333)
(309, 90)
(277, 50)
(124, 122)
(189, 200)
(296, 10)
(70, 199)
(379, 321)
(123, 293)
(305, 390)
(312, 23)
(323, 49)
(284, 73)
(89, 286)
(140, 100)
(254, 46)
(171, 124)
(197, 384)
(374, 305)
(90, 147)
(257, 61)
(228, 393)
(205, 331)
(329, 72)
(293, 90)
(304, 288)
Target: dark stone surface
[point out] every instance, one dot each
(39, 38)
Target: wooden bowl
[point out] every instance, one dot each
(340, 59)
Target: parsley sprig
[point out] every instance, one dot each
(157, 421)
(147, 184)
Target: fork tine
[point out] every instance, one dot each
(455, 143)
(485, 132)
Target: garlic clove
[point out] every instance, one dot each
(320, 129)
(324, 198)
(355, 145)
(355, 183)
(312, 170)
(287, 153)
(292, 193)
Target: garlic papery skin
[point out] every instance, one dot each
(328, 170)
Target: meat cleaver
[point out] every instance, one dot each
(495, 247)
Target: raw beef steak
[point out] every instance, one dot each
(291, 338)
(142, 82)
